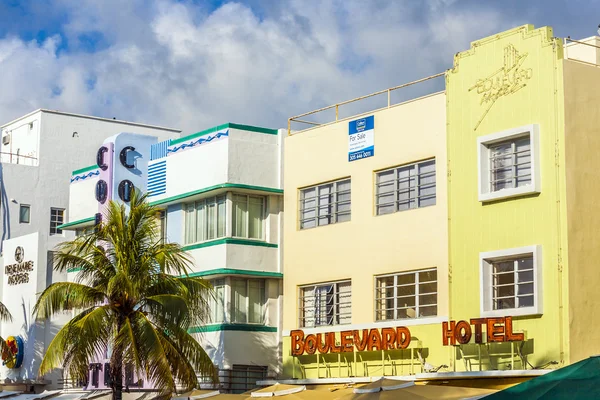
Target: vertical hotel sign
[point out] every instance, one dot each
(361, 143)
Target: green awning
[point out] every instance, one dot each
(576, 381)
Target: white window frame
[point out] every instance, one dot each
(337, 316)
(485, 281)
(483, 157)
(416, 295)
(335, 204)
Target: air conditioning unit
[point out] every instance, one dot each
(6, 139)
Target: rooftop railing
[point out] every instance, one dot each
(301, 118)
(16, 158)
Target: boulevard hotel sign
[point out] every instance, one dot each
(377, 339)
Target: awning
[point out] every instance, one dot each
(36, 396)
(8, 393)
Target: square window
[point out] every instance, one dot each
(248, 216)
(24, 213)
(57, 217)
(509, 163)
(204, 219)
(511, 281)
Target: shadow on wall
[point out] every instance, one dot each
(5, 210)
(32, 332)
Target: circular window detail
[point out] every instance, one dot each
(123, 157)
(125, 189)
(101, 191)
(100, 158)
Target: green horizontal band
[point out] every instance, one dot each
(232, 327)
(245, 242)
(224, 126)
(231, 271)
(216, 187)
(86, 169)
(75, 223)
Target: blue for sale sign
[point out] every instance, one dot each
(361, 143)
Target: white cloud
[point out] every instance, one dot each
(177, 64)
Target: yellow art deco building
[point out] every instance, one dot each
(453, 235)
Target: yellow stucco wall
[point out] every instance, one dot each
(531, 220)
(368, 245)
(582, 131)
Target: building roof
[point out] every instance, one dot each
(90, 117)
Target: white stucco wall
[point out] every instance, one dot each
(253, 158)
(82, 201)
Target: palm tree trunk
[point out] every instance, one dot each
(116, 368)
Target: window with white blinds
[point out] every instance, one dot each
(248, 297)
(205, 219)
(248, 216)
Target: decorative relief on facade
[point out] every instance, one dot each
(503, 82)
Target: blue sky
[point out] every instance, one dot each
(193, 64)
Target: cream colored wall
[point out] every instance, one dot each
(367, 245)
(582, 131)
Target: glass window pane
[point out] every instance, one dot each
(221, 212)
(239, 300)
(190, 224)
(201, 221)
(255, 216)
(256, 299)
(211, 219)
(24, 214)
(240, 216)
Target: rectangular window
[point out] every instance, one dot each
(248, 216)
(24, 213)
(161, 226)
(511, 282)
(406, 187)
(325, 204)
(217, 303)
(248, 298)
(205, 219)
(325, 304)
(509, 163)
(57, 217)
(406, 295)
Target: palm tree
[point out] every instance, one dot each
(133, 298)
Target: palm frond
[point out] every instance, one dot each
(61, 296)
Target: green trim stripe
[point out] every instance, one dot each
(86, 169)
(74, 269)
(75, 223)
(221, 127)
(216, 187)
(232, 327)
(231, 271)
(246, 242)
